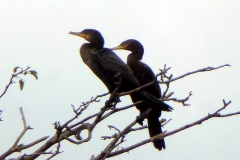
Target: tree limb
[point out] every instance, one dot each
(20, 147)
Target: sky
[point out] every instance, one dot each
(185, 35)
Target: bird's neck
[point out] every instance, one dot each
(135, 56)
(97, 43)
(133, 59)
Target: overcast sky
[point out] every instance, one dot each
(186, 35)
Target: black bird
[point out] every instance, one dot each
(105, 64)
(144, 75)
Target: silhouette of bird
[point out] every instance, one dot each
(105, 64)
(144, 75)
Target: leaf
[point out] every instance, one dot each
(34, 74)
(162, 120)
(33, 71)
(21, 83)
(15, 69)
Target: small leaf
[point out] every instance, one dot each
(34, 74)
(21, 83)
(25, 73)
(15, 69)
(33, 71)
(162, 120)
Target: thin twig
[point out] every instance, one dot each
(173, 79)
(25, 128)
(11, 79)
(17, 148)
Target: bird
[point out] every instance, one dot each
(144, 75)
(105, 64)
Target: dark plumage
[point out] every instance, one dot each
(105, 64)
(144, 75)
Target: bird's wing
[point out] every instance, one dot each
(145, 75)
(109, 60)
(113, 64)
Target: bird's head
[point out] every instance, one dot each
(91, 35)
(131, 45)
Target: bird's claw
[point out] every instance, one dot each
(110, 104)
(140, 119)
(118, 100)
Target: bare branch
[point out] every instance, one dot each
(19, 148)
(59, 136)
(105, 115)
(0, 114)
(127, 149)
(193, 72)
(120, 109)
(84, 105)
(25, 128)
(111, 145)
(166, 134)
(56, 152)
(64, 132)
(183, 101)
(173, 79)
(23, 157)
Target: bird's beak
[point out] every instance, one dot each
(80, 34)
(119, 47)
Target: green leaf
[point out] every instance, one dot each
(21, 83)
(15, 69)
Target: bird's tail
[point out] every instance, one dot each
(150, 98)
(154, 128)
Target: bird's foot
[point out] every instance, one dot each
(118, 100)
(110, 104)
(140, 119)
(112, 101)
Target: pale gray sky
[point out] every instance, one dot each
(186, 35)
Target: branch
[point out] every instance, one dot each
(20, 147)
(199, 70)
(163, 122)
(56, 152)
(74, 131)
(173, 79)
(0, 114)
(183, 101)
(64, 132)
(166, 134)
(105, 115)
(104, 154)
(111, 145)
(11, 79)
(25, 128)
(84, 105)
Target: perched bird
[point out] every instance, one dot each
(144, 75)
(105, 64)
